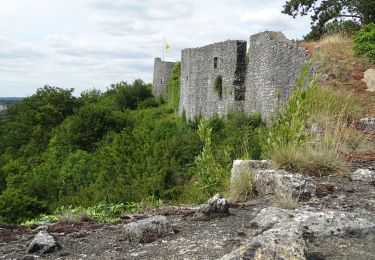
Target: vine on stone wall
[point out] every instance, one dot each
(218, 86)
(173, 86)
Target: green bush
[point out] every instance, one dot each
(128, 96)
(16, 207)
(121, 146)
(365, 42)
(347, 28)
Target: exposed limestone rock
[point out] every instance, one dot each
(367, 124)
(278, 182)
(369, 79)
(279, 243)
(320, 223)
(246, 166)
(148, 230)
(43, 243)
(363, 175)
(283, 231)
(217, 206)
(283, 183)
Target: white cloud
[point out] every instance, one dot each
(265, 17)
(93, 43)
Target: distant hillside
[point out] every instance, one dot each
(9, 100)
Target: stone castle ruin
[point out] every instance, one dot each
(222, 77)
(162, 74)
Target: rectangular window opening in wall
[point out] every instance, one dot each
(215, 62)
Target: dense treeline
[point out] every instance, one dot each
(118, 146)
(9, 100)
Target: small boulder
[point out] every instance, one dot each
(217, 206)
(148, 230)
(369, 79)
(280, 182)
(43, 243)
(247, 166)
(367, 124)
(365, 175)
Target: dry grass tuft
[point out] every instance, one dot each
(243, 187)
(285, 201)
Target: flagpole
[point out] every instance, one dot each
(163, 47)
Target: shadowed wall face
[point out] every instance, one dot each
(161, 77)
(201, 67)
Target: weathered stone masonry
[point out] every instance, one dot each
(274, 68)
(162, 74)
(260, 85)
(199, 69)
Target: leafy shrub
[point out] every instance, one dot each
(365, 42)
(16, 207)
(130, 95)
(218, 86)
(173, 87)
(287, 127)
(151, 102)
(100, 212)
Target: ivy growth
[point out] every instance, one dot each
(218, 86)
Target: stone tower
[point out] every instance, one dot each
(162, 75)
(274, 68)
(199, 69)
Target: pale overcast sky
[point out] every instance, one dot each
(83, 44)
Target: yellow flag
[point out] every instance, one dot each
(166, 47)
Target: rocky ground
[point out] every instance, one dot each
(188, 237)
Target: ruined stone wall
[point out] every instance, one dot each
(162, 75)
(273, 70)
(199, 69)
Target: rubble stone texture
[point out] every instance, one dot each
(199, 69)
(162, 75)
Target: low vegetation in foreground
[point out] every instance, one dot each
(95, 156)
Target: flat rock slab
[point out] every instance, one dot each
(43, 243)
(148, 230)
(282, 231)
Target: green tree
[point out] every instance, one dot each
(327, 11)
